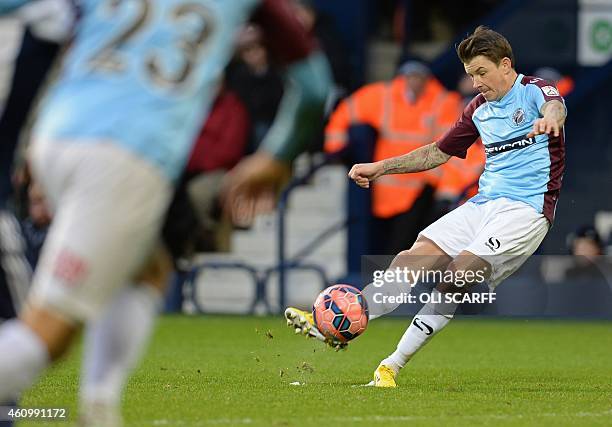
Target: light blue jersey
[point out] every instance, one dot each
(142, 74)
(519, 168)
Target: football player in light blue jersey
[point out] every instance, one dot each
(112, 135)
(520, 120)
(519, 165)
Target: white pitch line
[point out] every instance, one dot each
(212, 421)
(383, 418)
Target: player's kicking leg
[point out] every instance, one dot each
(302, 322)
(423, 254)
(493, 240)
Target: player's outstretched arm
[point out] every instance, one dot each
(553, 119)
(252, 186)
(421, 159)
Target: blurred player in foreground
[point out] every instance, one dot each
(112, 136)
(520, 120)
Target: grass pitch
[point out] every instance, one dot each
(236, 371)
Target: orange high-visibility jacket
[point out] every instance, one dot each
(459, 174)
(402, 127)
(565, 85)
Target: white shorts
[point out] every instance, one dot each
(503, 232)
(108, 208)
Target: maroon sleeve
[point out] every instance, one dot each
(549, 89)
(463, 133)
(284, 34)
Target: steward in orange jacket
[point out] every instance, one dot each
(408, 112)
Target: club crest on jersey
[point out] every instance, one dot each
(518, 118)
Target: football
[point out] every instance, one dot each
(341, 312)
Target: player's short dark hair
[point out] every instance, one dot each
(486, 42)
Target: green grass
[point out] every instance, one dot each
(203, 371)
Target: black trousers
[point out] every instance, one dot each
(7, 307)
(397, 233)
(33, 62)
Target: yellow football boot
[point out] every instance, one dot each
(384, 377)
(303, 323)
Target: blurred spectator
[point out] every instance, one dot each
(194, 222)
(257, 82)
(565, 84)
(325, 32)
(218, 149)
(585, 244)
(408, 112)
(588, 260)
(585, 289)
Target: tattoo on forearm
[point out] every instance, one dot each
(555, 110)
(421, 159)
